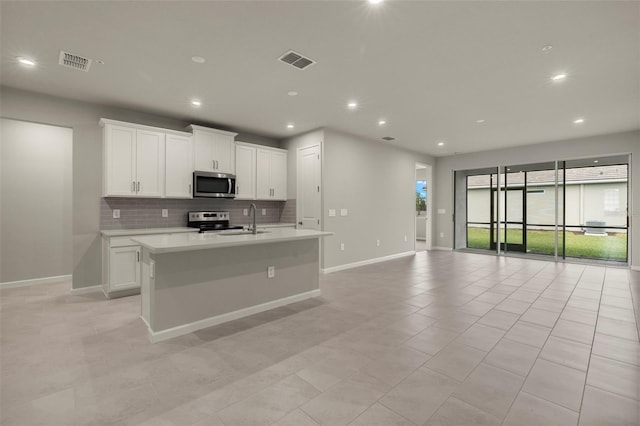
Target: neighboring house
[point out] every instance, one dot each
(592, 194)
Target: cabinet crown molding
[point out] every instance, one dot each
(104, 121)
(194, 127)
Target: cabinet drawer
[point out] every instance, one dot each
(122, 242)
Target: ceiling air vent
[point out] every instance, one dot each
(389, 138)
(297, 60)
(76, 62)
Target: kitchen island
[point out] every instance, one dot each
(193, 281)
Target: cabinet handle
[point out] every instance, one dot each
(213, 164)
(138, 188)
(133, 186)
(217, 165)
(189, 188)
(138, 256)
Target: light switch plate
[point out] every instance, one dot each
(116, 213)
(165, 212)
(442, 211)
(332, 212)
(245, 212)
(343, 212)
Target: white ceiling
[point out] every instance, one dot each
(431, 69)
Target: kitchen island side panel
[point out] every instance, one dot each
(196, 285)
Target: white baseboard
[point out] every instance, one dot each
(158, 336)
(635, 268)
(35, 281)
(87, 290)
(442, 248)
(366, 262)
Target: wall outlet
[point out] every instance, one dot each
(245, 212)
(378, 243)
(165, 212)
(271, 271)
(332, 212)
(442, 235)
(116, 213)
(344, 212)
(405, 238)
(264, 212)
(341, 246)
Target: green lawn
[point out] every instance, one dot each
(611, 247)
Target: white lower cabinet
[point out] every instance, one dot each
(124, 268)
(120, 266)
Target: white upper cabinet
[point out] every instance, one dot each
(271, 174)
(179, 166)
(133, 160)
(245, 172)
(214, 150)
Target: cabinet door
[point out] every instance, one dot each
(263, 174)
(124, 268)
(223, 153)
(179, 167)
(245, 172)
(149, 163)
(119, 177)
(278, 175)
(203, 150)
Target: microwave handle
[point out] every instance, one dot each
(230, 188)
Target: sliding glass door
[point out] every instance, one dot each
(564, 209)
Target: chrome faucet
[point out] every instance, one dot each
(252, 213)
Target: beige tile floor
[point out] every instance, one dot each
(438, 338)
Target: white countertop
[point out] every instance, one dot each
(151, 231)
(144, 231)
(167, 243)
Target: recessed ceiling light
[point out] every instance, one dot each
(578, 121)
(352, 105)
(547, 48)
(290, 126)
(595, 161)
(479, 121)
(440, 143)
(292, 93)
(375, 1)
(559, 77)
(382, 122)
(198, 59)
(196, 102)
(26, 61)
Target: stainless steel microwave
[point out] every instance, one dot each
(214, 185)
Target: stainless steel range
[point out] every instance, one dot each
(210, 221)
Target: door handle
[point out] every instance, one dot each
(300, 223)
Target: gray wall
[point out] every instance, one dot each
(83, 118)
(375, 182)
(605, 145)
(35, 201)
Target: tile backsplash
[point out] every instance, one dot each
(147, 212)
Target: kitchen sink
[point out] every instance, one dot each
(243, 232)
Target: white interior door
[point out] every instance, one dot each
(308, 204)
